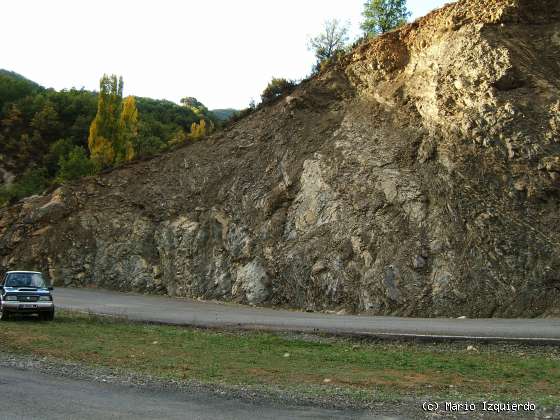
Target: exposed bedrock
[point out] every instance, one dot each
(418, 177)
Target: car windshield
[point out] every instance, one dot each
(25, 280)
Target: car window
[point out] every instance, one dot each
(25, 280)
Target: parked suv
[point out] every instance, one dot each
(25, 292)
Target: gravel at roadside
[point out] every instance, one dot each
(117, 376)
(408, 408)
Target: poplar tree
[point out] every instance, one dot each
(127, 131)
(115, 127)
(104, 127)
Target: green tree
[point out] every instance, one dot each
(33, 181)
(328, 43)
(75, 165)
(195, 105)
(13, 118)
(149, 146)
(381, 16)
(46, 121)
(57, 150)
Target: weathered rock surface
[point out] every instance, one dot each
(6, 175)
(420, 176)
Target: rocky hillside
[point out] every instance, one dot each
(418, 177)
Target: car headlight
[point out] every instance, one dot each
(45, 298)
(11, 298)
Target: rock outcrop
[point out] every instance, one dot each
(420, 176)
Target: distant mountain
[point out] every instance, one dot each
(16, 76)
(224, 114)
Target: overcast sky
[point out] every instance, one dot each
(222, 52)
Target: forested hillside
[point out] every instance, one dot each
(44, 132)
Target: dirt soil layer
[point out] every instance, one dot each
(417, 176)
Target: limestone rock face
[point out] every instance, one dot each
(419, 176)
(252, 283)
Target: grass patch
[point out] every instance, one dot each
(365, 371)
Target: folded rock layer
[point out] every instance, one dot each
(418, 176)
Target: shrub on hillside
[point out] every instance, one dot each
(329, 62)
(150, 146)
(199, 130)
(57, 150)
(75, 165)
(239, 115)
(277, 88)
(33, 181)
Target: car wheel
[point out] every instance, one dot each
(4, 315)
(47, 316)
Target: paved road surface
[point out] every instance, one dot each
(205, 314)
(29, 395)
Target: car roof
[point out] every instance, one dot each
(30, 272)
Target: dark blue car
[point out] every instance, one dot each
(26, 292)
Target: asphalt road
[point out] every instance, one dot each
(207, 314)
(26, 395)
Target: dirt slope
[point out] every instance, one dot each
(421, 176)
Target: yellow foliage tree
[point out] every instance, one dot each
(103, 128)
(114, 130)
(100, 149)
(198, 130)
(102, 152)
(179, 137)
(128, 131)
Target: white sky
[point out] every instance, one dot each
(222, 52)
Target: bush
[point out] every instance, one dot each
(75, 165)
(335, 59)
(239, 115)
(277, 88)
(33, 181)
(199, 130)
(149, 146)
(59, 149)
